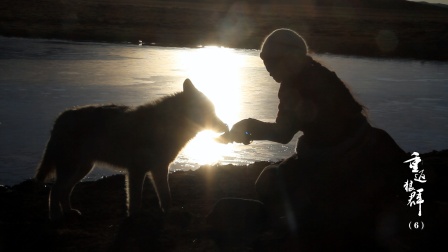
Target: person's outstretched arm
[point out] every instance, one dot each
(250, 129)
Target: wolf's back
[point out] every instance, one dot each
(46, 168)
(72, 126)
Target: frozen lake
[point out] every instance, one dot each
(41, 78)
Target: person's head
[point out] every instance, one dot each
(282, 51)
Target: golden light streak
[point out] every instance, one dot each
(216, 72)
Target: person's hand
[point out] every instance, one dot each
(240, 133)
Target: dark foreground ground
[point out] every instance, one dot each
(104, 226)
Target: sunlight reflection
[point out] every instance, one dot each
(216, 71)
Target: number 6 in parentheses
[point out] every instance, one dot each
(416, 225)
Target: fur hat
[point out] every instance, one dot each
(283, 42)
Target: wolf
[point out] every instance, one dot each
(140, 140)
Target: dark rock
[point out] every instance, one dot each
(139, 232)
(237, 220)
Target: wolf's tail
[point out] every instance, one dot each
(46, 168)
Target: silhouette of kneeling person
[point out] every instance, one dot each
(337, 190)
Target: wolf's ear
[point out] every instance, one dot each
(189, 87)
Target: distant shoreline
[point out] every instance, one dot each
(398, 29)
(187, 45)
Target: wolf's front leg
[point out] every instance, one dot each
(134, 190)
(160, 183)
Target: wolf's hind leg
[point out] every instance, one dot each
(54, 202)
(66, 181)
(134, 190)
(160, 183)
